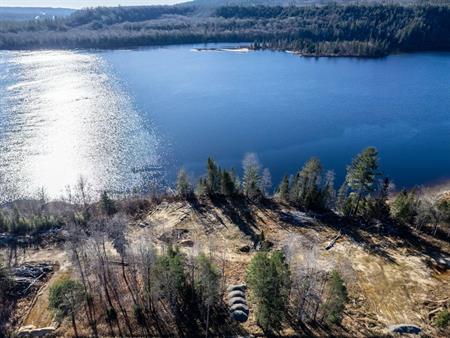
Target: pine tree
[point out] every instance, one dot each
(227, 184)
(171, 276)
(201, 189)
(251, 184)
(283, 189)
(306, 190)
(207, 285)
(184, 187)
(337, 298)
(236, 182)
(66, 299)
(379, 208)
(329, 194)
(405, 207)
(7, 299)
(268, 278)
(212, 177)
(361, 175)
(107, 204)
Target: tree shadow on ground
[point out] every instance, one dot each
(237, 210)
(378, 240)
(373, 239)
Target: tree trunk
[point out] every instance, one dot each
(207, 321)
(91, 311)
(74, 325)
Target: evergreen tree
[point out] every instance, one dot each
(379, 208)
(361, 175)
(6, 297)
(337, 298)
(202, 188)
(251, 184)
(207, 286)
(170, 271)
(236, 182)
(268, 278)
(107, 204)
(184, 187)
(283, 189)
(212, 177)
(227, 184)
(405, 206)
(66, 298)
(306, 190)
(329, 194)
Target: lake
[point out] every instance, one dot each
(130, 118)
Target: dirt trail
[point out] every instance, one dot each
(39, 314)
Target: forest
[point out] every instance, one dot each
(147, 290)
(329, 30)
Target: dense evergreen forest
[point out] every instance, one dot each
(336, 30)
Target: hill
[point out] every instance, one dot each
(391, 279)
(32, 13)
(329, 30)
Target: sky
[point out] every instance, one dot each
(82, 3)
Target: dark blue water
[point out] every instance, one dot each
(288, 108)
(125, 119)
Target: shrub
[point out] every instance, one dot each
(337, 298)
(442, 319)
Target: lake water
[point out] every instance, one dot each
(130, 118)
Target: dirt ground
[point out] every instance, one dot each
(389, 283)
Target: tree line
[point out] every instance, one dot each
(366, 195)
(341, 30)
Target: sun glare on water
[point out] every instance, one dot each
(64, 116)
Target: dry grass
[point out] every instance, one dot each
(392, 286)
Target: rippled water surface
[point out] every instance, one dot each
(125, 119)
(63, 116)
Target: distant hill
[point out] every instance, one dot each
(326, 30)
(290, 2)
(32, 13)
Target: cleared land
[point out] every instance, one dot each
(390, 280)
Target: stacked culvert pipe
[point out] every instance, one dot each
(237, 302)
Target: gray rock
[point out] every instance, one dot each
(405, 329)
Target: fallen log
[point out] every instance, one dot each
(333, 241)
